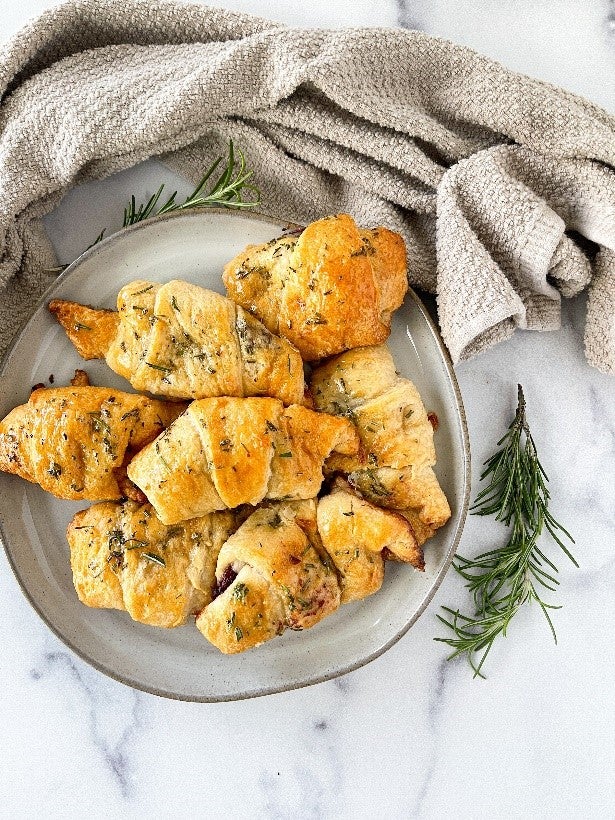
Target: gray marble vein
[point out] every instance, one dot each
(315, 773)
(408, 15)
(113, 712)
(434, 718)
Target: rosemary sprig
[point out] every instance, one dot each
(504, 579)
(228, 191)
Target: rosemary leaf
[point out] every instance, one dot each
(154, 558)
(502, 580)
(234, 188)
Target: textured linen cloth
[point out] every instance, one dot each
(502, 186)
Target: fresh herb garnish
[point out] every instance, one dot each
(116, 538)
(134, 544)
(161, 457)
(375, 486)
(232, 189)
(133, 412)
(316, 319)
(99, 424)
(159, 367)
(504, 579)
(290, 596)
(288, 454)
(366, 250)
(154, 558)
(117, 542)
(239, 592)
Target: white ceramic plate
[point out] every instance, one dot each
(179, 663)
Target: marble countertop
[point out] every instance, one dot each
(409, 735)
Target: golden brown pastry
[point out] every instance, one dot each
(332, 288)
(394, 466)
(74, 441)
(291, 564)
(223, 452)
(358, 536)
(287, 566)
(271, 577)
(182, 341)
(123, 557)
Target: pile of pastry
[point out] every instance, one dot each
(282, 464)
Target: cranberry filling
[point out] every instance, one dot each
(227, 578)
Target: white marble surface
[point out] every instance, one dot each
(410, 735)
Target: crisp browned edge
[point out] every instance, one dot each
(316, 678)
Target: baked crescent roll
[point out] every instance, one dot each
(182, 341)
(358, 536)
(75, 441)
(287, 566)
(394, 465)
(223, 452)
(271, 577)
(293, 563)
(332, 288)
(123, 557)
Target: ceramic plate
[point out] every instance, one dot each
(179, 663)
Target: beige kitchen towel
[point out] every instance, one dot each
(502, 186)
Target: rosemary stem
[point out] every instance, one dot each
(503, 579)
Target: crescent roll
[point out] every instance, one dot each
(271, 577)
(358, 537)
(182, 341)
(75, 441)
(332, 288)
(287, 566)
(291, 564)
(394, 467)
(223, 452)
(123, 557)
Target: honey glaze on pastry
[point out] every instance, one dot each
(223, 452)
(74, 441)
(394, 467)
(332, 288)
(123, 557)
(182, 341)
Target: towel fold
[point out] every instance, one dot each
(502, 186)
